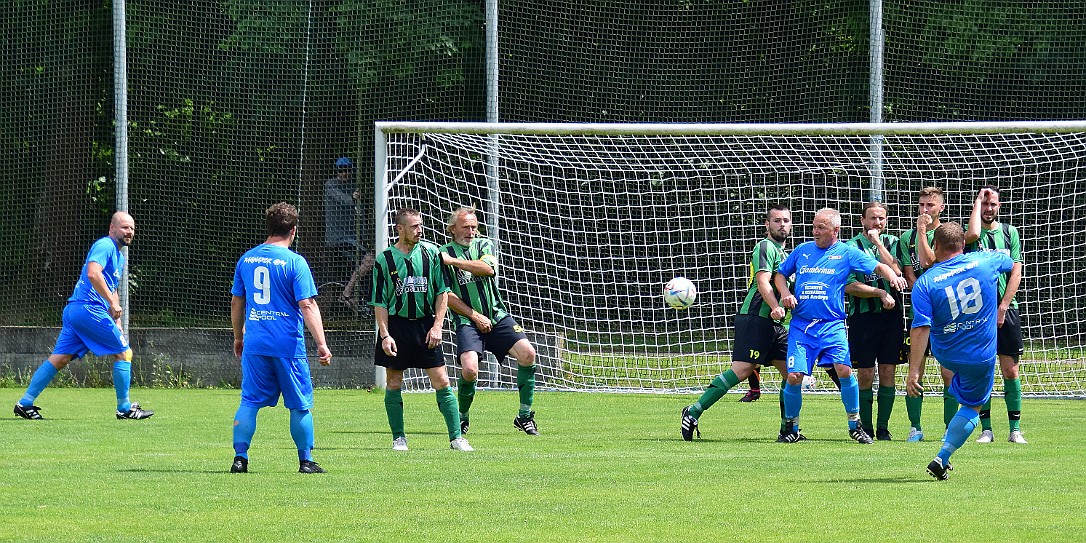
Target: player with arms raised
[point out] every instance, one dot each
(956, 306)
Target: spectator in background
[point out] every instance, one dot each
(341, 212)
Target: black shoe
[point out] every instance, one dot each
(240, 465)
(883, 434)
(790, 434)
(936, 469)
(29, 412)
(751, 396)
(869, 430)
(464, 425)
(527, 424)
(309, 466)
(688, 426)
(860, 436)
(135, 412)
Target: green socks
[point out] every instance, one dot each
(717, 389)
(526, 388)
(914, 406)
(465, 394)
(394, 410)
(867, 400)
(986, 415)
(885, 400)
(446, 403)
(1012, 391)
(950, 407)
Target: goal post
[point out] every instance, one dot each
(593, 219)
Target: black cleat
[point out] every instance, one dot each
(936, 469)
(860, 436)
(28, 412)
(526, 424)
(240, 465)
(464, 425)
(689, 425)
(790, 434)
(135, 413)
(883, 434)
(751, 396)
(309, 466)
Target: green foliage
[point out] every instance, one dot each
(606, 468)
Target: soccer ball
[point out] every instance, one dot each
(809, 382)
(680, 293)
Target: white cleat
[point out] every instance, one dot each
(399, 444)
(1016, 437)
(460, 444)
(914, 435)
(986, 437)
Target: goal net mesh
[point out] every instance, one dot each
(589, 229)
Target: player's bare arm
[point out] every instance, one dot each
(388, 345)
(311, 316)
(1014, 280)
(925, 254)
(888, 273)
(787, 299)
(474, 267)
(918, 341)
(441, 307)
(237, 321)
(460, 307)
(98, 281)
(764, 280)
(863, 290)
(885, 257)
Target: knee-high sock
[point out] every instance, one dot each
(716, 390)
(526, 388)
(867, 401)
(886, 397)
(301, 430)
(122, 380)
(850, 394)
(986, 415)
(914, 406)
(394, 411)
(1012, 390)
(41, 379)
(465, 394)
(244, 428)
(755, 380)
(959, 429)
(793, 400)
(780, 400)
(446, 403)
(950, 407)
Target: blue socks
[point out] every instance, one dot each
(41, 379)
(244, 428)
(850, 394)
(959, 430)
(301, 429)
(793, 400)
(122, 380)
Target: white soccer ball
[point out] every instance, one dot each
(680, 293)
(809, 382)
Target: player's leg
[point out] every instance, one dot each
(524, 353)
(971, 384)
(44, 375)
(887, 358)
(394, 407)
(865, 381)
(950, 403)
(259, 388)
(886, 396)
(863, 342)
(754, 390)
(755, 338)
(1010, 348)
(799, 363)
(465, 389)
(721, 384)
(296, 383)
(122, 381)
(446, 404)
(914, 406)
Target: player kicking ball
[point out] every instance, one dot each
(955, 305)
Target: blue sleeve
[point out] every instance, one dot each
(102, 251)
(239, 285)
(1006, 263)
(304, 287)
(921, 304)
(860, 261)
(788, 267)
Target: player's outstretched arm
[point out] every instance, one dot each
(888, 273)
(479, 268)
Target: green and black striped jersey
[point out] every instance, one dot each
(907, 253)
(478, 291)
(767, 256)
(1003, 238)
(408, 284)
(873, 305)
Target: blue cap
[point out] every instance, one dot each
(344, 163)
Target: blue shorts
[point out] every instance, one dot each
(499, 340)
(804, 351)
(89, 328)
(264, 378)
(972, 383)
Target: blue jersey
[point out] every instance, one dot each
(107, 253)
(821, 275)
(273, 279)
(958, 299)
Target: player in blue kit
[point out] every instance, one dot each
(956, 305)
(92, 322)
(273, 296)
(817, 332)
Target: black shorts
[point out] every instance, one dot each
(501, 337)
(876, 338)
(411, 349)
(759, 340)
(903, 357)
(1009, 336)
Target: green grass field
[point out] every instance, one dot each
(608, 467)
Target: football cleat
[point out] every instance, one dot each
(240, 465)
(460, 444)
(464, 424)
(28, 412)
(915, 435)
(751, 396)
(986, 436)
(936, 469)
(1016, 437)
(883, 434)
(135, 413)
(309, 466)
(860, 435)
(399, 444)
(688, 426)
(790, 434)
(526, 424)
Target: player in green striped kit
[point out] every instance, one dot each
(481, 319)
(761, 334)
(875, 332)
(410, 299)
(987, 234)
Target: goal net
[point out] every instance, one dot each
(592, 220)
